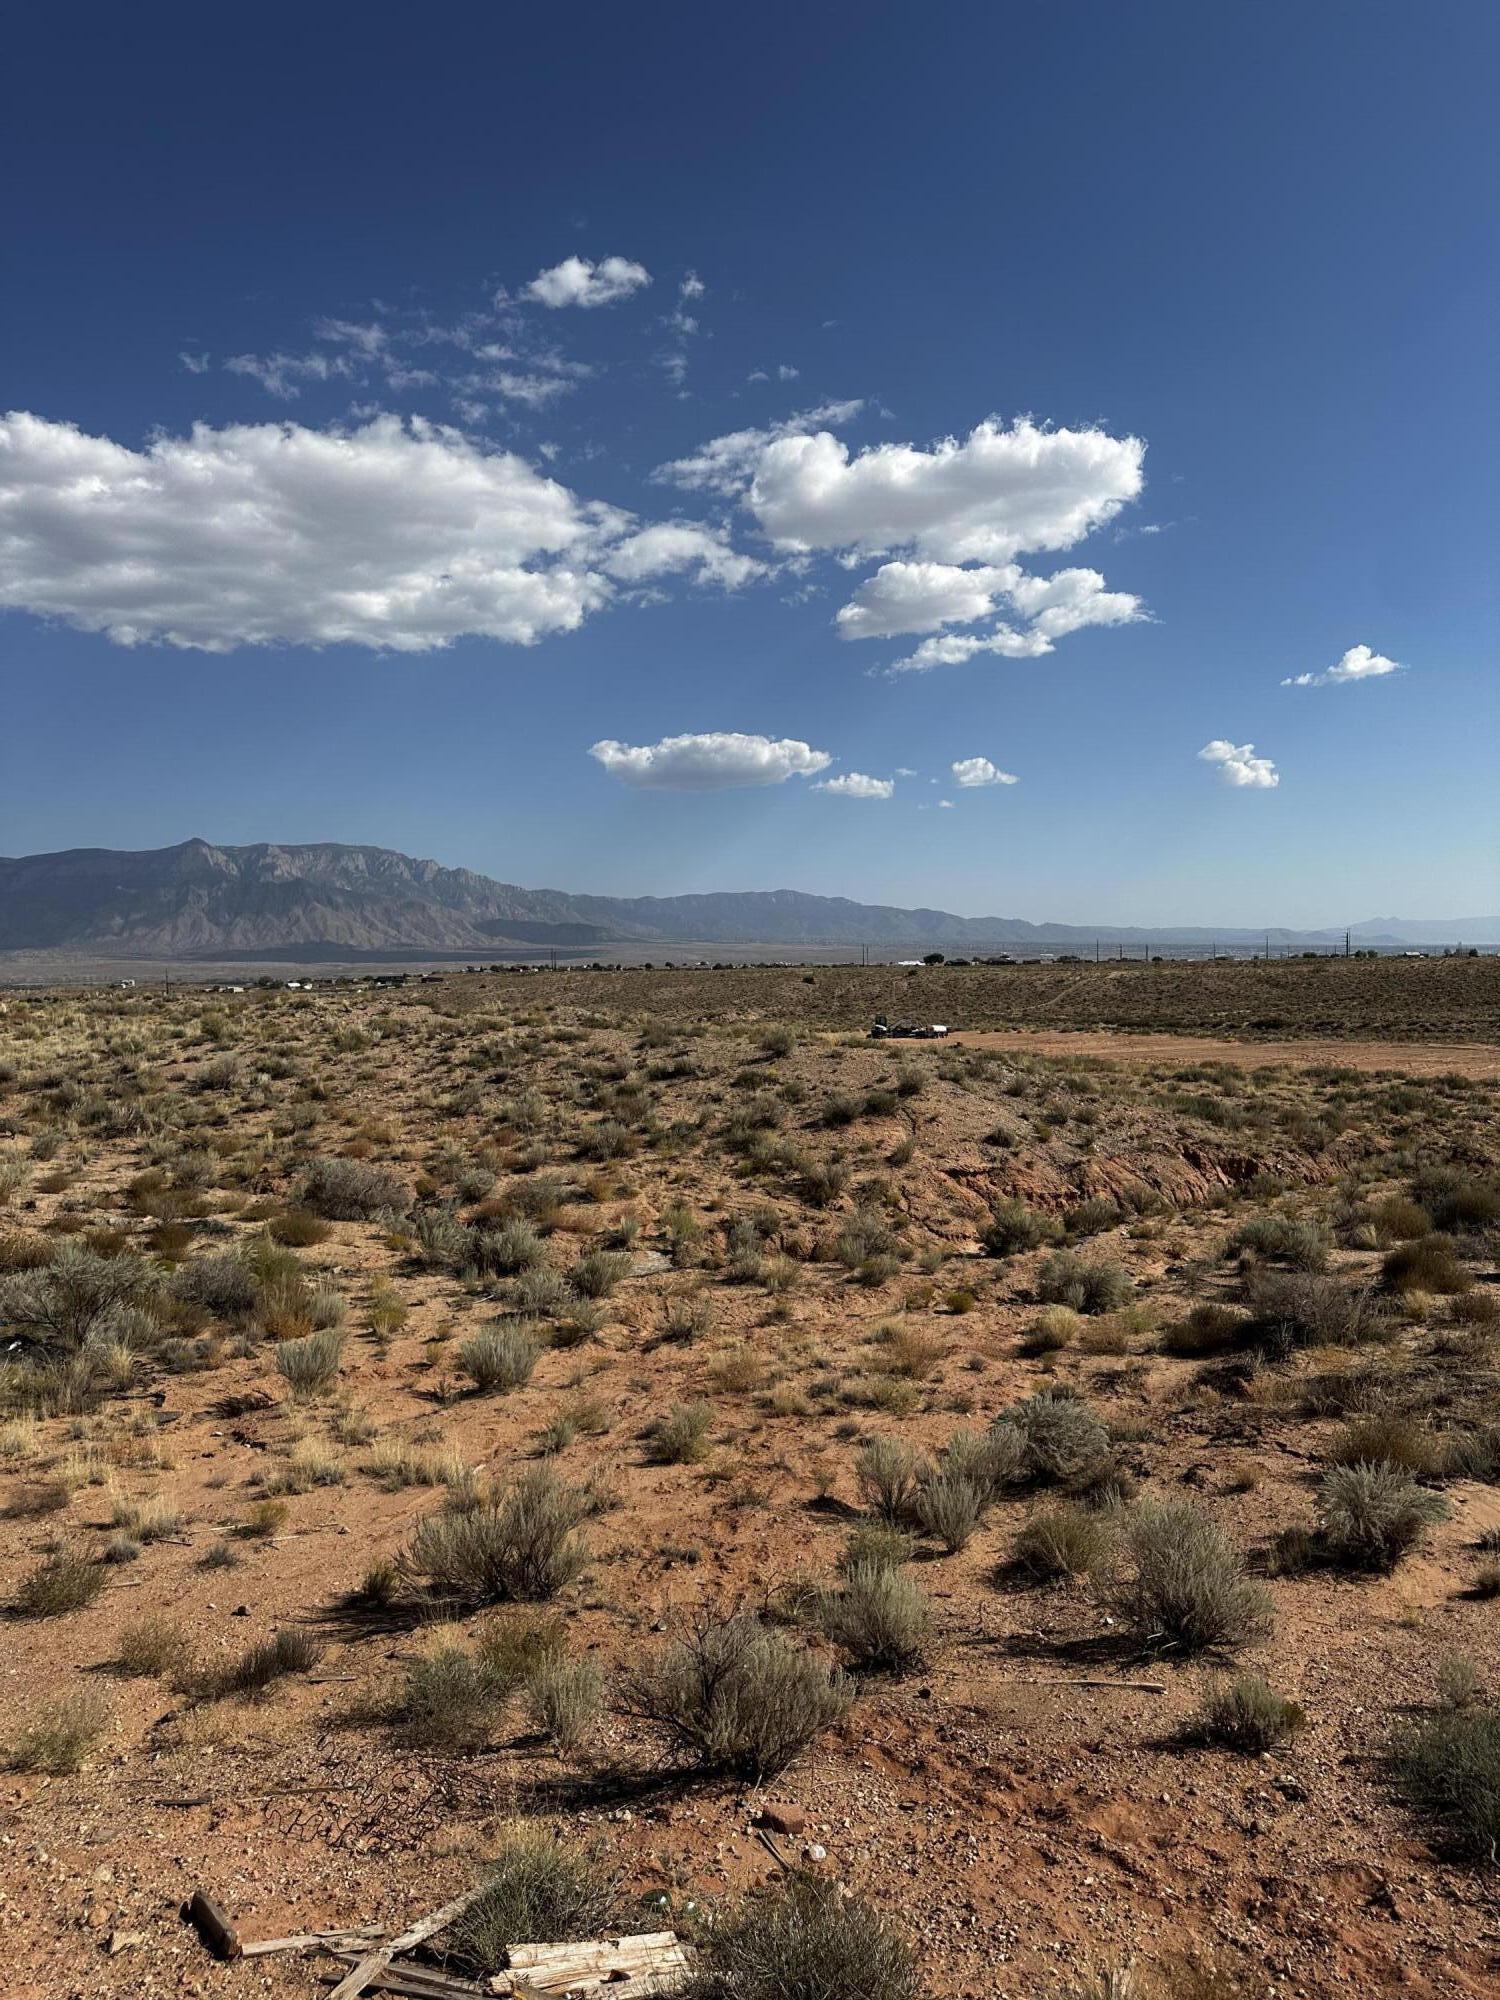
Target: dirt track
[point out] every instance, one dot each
(1471, 1059)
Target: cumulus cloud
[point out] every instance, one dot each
(692, 286)
(577, 282)
(919, 597)
(395, 535)
(970, 772)
(673, 547)
(855, 785)
(726, 464)
(720, 760)
(1358, 664)
(986, 499)
(952, 649)
(1069, 599)
(1238, 765)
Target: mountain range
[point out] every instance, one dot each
(321, 899)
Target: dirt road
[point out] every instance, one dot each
(1472, 1059)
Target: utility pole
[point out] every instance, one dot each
(1346, 944)
(1096, 951)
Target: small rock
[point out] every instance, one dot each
(781, 1818)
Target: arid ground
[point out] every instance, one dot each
(1078, 1445)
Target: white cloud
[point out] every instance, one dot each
(279, 374)
(1238, 764)
(369, 340)
(973, 771)
(1358, 664)
(947, 806)
(855, 785)
(396, 535)
(987, 499)
(671, 547)
(952, 649)
(577, 282)
(1069, 599)
(726, 464)
(195, 364)
(719, 761)
(692, 286)
(535, 391)
(919, 597)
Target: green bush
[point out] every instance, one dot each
(949, 1506)
(310, 1366)
(879, 1616)
(1283, 1239)
(354, 1191)
(521, 1546)
(1245, 1714)
(736, 1696)
(1087, 1285)
(1065, 1541)
(1189, 1588)
(1449, 1767)
(294, 1650)
(887, 1471)
(450, 1701)
(1370, 1516)
(537, 1890)
(803, 1940)
(502, 1356)
(1014, 1227)
(595, 1276)
(680, 1437)
(59, 1306)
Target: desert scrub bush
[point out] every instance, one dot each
(1282, 1239)
(877, 1545)
(1208, 1329)
(65, 1581)
(887, 1471)
(1087, 1285)
(1092, 1216)
(1292, 1310)
(1370, 1516)
(1053, 1329)
(596, 1274)
(57, 1742)
(298, 1229)
(521, 1546)
(1459, 1200)
(449, 1701)
(680, 1436)
(865, 1236)
(687, 1318)
(821, 1182)
(949, 1505)
(1066, 1541)
(354, 1191)
(58, 1307)
(151, 1646)
(1062, 1441)
(1448, 1766)
(1188, 1588)
(310, 1366)
(1245, 1714)
(1388, 1437)
(293, 1650)
(1013, 1227)
(501, 1356)
(879, 1616)
(563, 1700)
(802, 1940)
(221, 1286)
(738, 1697)
(536, 1889)
(1428, 1264)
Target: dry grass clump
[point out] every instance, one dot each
(1013, 1227)
(65, 1581)
(879, 1616)
(151, 1646)
(1449, 1767)
(354, 1191)
(450, 1701)
(293, 1650)
(1189, 1589)
(1282, 1239)
(1066, 1541)
(1245, 1714)
(1085, 1284)
(803, 1940)
(58, 1740)
(736, 1696)
(1371, 1515)
(680, 1436)
(563, 1700)
(502, 1356)
(536, 1890)
(310, 1366)
(521, 1546)
(1428, 1264)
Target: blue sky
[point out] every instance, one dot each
(1109, 368)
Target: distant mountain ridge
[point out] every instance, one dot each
(199, 900)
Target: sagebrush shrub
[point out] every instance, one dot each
(802, 1940)
(1086, 1284)
(1065, 1541)
(502, 1356)
(737, 1696)
(1245, 1714)
(1014, 1227)
(1428, 1264)
(879, 1615)
(537, 1890)
(521, 1546)
(1189, 1588)
(354, 1190)
(310, 1366)
(56, 1742)
(1449, 1766)
(1370, 1516)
